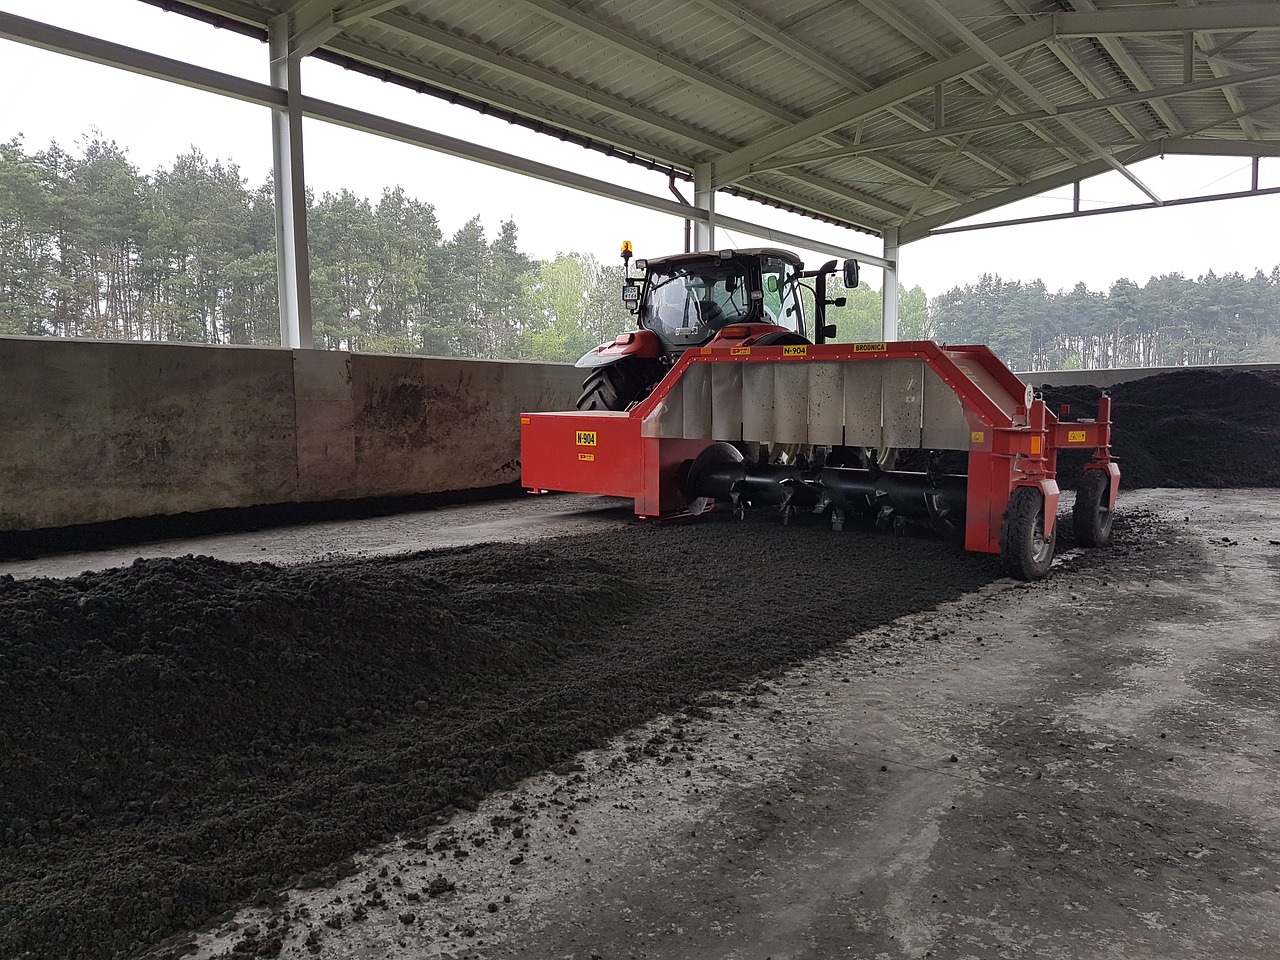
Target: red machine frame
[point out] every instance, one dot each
(606, 453)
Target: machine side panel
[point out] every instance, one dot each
(945, 424)
(666, 419)
(581, 452)
(902, 403)
(862, 386)
(698, 410)
(757, 402)
(826, 403)
(726, 401)
(791, 402)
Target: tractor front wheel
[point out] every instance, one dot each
(1091, 515)
(1024, 549)
(616, 386)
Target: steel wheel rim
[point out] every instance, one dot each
(1039, 544)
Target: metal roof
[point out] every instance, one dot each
(906, 114)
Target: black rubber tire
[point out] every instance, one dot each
(614, 387)
(1091, 516)
(1024, 550)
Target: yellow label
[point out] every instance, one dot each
(587, 457)
(586, 438)
(739, 351)
(1035, 446)
(525, 421)
(1077, 436)
(796, 350)
(870, 347)
(977, 436)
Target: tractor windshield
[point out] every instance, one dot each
(686, 303)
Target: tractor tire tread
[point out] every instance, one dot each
(614, 387)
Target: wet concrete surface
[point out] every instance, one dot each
(1081, 767)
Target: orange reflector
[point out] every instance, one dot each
(1035, 446)
(735, 332)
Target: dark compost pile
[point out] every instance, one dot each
(183, 735)
(1192, 428)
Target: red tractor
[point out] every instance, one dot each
(737, 298)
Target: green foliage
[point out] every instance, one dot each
(90, 246)
(1172, 321)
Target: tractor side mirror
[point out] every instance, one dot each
(850, 274)
(631, 296)
(838, 301)
(828, 331)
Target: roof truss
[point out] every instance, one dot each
(902, 115)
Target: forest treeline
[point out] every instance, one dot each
(92, 247)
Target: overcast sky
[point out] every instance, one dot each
(53, 97)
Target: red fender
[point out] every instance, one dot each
(634, 343)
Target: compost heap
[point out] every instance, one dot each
(183, 735)
(1191, 428)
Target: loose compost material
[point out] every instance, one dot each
(182, 735)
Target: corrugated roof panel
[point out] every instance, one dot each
(700, 79)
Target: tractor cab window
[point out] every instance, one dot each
(686, 303)
(781, 293)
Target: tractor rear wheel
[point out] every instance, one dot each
(1024, 549)
(614, 387)
(1091, 515)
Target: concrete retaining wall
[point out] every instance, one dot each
(95, 431)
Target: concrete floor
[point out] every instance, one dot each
(1082, 767)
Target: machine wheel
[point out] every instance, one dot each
(1024, 549)
(614, 387)
(1091, 516)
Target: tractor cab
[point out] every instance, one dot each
(687, 300)
(729, 297)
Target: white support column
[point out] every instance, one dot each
(293, 261)
(704, 197)
(889, 296)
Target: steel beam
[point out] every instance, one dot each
(924, 226)
(1219, 148)
(999, 123)
(293, 258)
(704, 198)
(1139, 20)
(315, 22)
(993, 58)
(104, 52)
(735, 165)
(1134, 74)
(889, 293)
(803, 243)
(1127, 208)
(415, 70)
